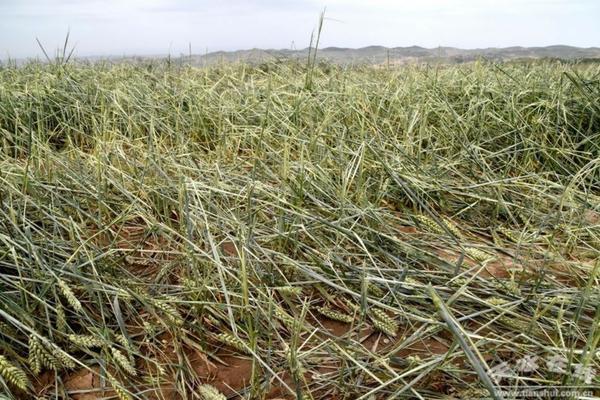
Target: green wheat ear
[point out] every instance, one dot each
(474, 393)
(477, 254)
(381, 326)
(452, 227)
(123, 361)
(34, 360)
(7, 330)
(511, 287)
(118, 388)
(351, 305)
(410, 281)
(47, 355)
(460, 281)
(518, 325)
(61, 318)
(231, 341)
(122, 340)
(289, 290)
(62, 357)
(413, 360)
(496, 301)
(168, 310)
(208, 392)
(508, 233)
(283, 316)
(86, 341)
(38, 357)
(383, 322)
(430, 224)
(335, 315)
(69, 295)
(13, 374)
(375, 290)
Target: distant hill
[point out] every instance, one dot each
(372, 55)
(399, 55)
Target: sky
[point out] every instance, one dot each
(157, 27)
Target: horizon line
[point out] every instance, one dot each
(212, 52)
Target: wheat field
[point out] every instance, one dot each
(288, 231)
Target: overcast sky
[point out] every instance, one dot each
(116, 27)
